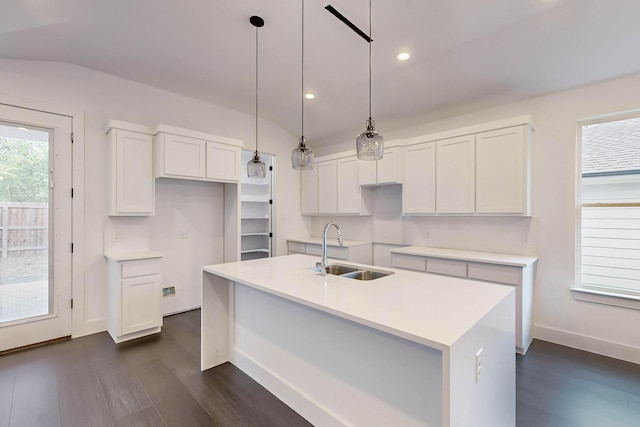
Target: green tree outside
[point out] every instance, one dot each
(24, 171)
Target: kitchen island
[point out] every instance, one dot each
(406, 349)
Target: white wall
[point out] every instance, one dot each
(103, 97)
(549, 234)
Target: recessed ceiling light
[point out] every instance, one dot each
(403, 56)
(309, 96)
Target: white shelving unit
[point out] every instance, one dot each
(256, 211)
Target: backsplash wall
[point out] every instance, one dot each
(502, 234)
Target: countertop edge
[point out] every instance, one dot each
(132, 255)
(472, 256)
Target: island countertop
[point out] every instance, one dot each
(430, 310)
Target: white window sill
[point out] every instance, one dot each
(607, 297)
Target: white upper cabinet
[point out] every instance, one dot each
(186, 154)
(455, 175)
(131, 185)
(387, 170)
(501, 171)
(180, 156)
(333, 187)
(349, 199)
(327, 187)
(309, 191)
(223, 162)
(419, 186)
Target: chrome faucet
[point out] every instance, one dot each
(322, 265)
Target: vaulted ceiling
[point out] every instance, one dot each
(466, 54)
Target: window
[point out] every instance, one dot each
(610, 211)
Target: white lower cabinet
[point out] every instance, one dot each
(520, 276)
(135, 297)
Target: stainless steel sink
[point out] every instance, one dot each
(367, 274)
(355, 272)
(339, 269)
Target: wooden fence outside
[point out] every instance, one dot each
(24, 228)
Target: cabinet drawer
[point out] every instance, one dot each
(496, 273)
(409, 262)
(295, 247)
(450, 268)
(332, 251)
(140, 267)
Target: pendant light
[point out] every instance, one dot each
(256, 167)
(302, 156)
(370, 144)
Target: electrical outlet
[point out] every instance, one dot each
(183, 235)
(115, 237)
(479, 357)
(168, 291)
(426, 234)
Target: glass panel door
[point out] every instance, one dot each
(35, 226)
(24, 224)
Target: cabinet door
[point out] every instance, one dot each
(141, 303)
(367, 171)
(223, 162)
(134, 173)
(388, 167)
(455, 175)
(500, 171)
(184, 156)
(309, 191)
(327, 187)
(349, 199)
(419, 185)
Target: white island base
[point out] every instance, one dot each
(396, 351)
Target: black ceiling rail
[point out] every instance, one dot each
(348, 23)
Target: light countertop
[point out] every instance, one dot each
(121, 255)
(486, 257)
(330, 242)
(431, 310)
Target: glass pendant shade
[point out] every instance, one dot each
(256, 167)
(370, 144)
(302, 157)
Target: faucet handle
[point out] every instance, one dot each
(319, 265)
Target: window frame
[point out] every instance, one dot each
(579, 291)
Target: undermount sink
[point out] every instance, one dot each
(355, 273)
(339, 269)
(367, 274)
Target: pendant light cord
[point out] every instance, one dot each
(302, 79)
(370, 41)
(256, 90)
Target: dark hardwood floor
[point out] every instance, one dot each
(156, 381)
(559, 386)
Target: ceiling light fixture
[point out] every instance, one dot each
(370, 143)
(403, 56)
(302, 156)
(256, 167)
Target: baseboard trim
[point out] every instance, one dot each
(90, 328)
(588, 343)
(296, 399)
